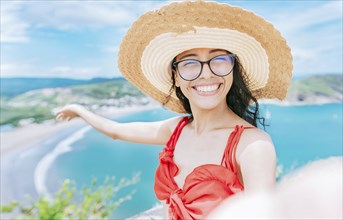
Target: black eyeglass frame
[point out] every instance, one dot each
(232, 56)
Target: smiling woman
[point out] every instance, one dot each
(209, 61)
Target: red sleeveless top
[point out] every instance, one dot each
(205, 187)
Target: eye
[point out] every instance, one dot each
(221, 58)
(189, 63)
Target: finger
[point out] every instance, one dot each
(59, 111)
(60, 116)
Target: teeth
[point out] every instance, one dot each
(207, 88)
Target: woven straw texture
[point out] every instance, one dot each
(182, 17)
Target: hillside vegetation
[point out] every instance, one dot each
(35, 106)
(39, 105)
(316, 89)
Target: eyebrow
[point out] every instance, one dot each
(193, 54)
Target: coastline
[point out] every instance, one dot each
(31, 179)
(32, 134)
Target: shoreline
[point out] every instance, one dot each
(32, 134)
(15, 144)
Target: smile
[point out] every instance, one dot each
(207, 88)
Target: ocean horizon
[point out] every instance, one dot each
(300, 134)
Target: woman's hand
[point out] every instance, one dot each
(69, 112)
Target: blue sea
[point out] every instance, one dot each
(300, 134)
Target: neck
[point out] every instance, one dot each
(211, 119)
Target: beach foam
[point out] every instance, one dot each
(42, 168)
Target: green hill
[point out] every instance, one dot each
(316, 89)
(39, 105)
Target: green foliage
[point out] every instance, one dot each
(37, 105)
(326, 85)
(111, 89)
(10, 115)
(96, 202)
(9, 208)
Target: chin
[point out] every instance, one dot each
(205, 106)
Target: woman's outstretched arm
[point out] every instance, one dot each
(140, 132)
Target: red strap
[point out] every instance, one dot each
(176, 133)
(229, 157)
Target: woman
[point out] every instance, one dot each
(210, 61)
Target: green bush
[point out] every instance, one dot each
(96, 202)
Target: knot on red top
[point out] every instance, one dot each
(166, 156)
(177, 209)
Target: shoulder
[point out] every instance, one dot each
(255, 134)
(255, 144)
(171, 123)
(256, 160)
(168, 126)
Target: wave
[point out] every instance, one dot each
(43, 166)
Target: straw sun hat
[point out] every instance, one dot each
(153, 41)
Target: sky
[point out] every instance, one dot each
(80, 39)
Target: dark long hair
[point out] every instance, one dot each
(239, 99)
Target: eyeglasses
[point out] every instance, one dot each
(191, 69)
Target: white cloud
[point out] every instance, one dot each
(13, 70)
(18, 17)
(13, 29)
(76, 14)
(300, 53)
(74, 72)
(111, 49)
(292, 21)
(315, 37)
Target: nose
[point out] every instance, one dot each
(206, 71)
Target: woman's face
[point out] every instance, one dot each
(208, 91)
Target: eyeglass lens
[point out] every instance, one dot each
(191, 69)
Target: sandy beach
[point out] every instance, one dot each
(33, 134)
